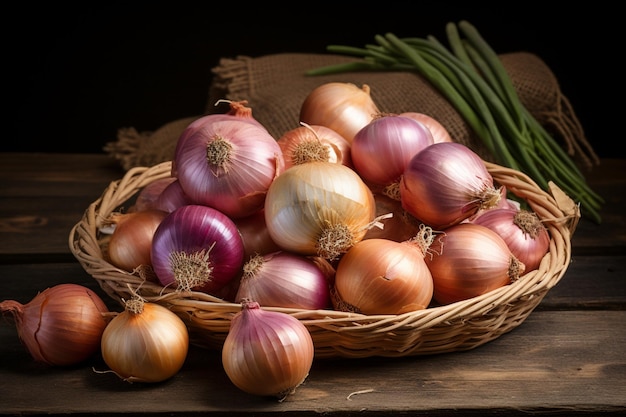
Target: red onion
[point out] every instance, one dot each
(523, 232)
(284, 279)
(61, 325)
(446, 183)
(382, 149)
(468, 260)
(197, 247)
(228, 165)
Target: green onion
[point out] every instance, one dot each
(472, 78)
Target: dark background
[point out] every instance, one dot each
(75, 76)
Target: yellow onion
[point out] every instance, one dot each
(145, 343)
(381, 276)
(61, 325)
(319, 209)
(267, 353)
(343, 107)
(400, 226)
(314, 143)
(468, 260)
(131, 241)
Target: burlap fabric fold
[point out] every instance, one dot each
(275, 87)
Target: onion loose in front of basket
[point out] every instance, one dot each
(267, 353)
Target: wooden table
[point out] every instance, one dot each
(567, 359)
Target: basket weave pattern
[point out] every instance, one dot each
(456, 327)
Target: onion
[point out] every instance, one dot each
(228, 165)
(445, 184)
(319, 209)
(523, 232)
(61, 325)
(314, 143)
(256, 238)
(131, 241)
(238, 111)
(197, 247)
(342, 107)
(382, 149)
(284, 279)
(468, 260)
(380, 276)
(172, 197)
(145, 343)
(438, 131)
(267, 353)
(148, 195)
(399, 227)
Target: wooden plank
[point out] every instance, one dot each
(555, 362)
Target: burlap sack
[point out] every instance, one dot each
(275, 87)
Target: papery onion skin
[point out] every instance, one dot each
(382, 149)
(130, 245)
(314, 143)
(145, 343)
(318, 209)
(60, 326)
(342, 107)
(523, 232)
(267, 353)
(446, 183)
(399, 227)
(468, 260)
(197, 247)
(229, 165)
(284, 279)
(380, 276)
(438, 131)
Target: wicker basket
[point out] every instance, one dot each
(456, 327)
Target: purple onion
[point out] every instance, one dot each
(197, 248)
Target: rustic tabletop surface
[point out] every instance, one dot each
(567, 358)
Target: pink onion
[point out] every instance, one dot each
(148, 196)
(284, 279)
(267, 353)
(228, 165)
(256, 237)
(468, 260)
(172, 197)
(446, 183)
(238, 110)
(523, 232)
(197, 248)
(382, 149)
